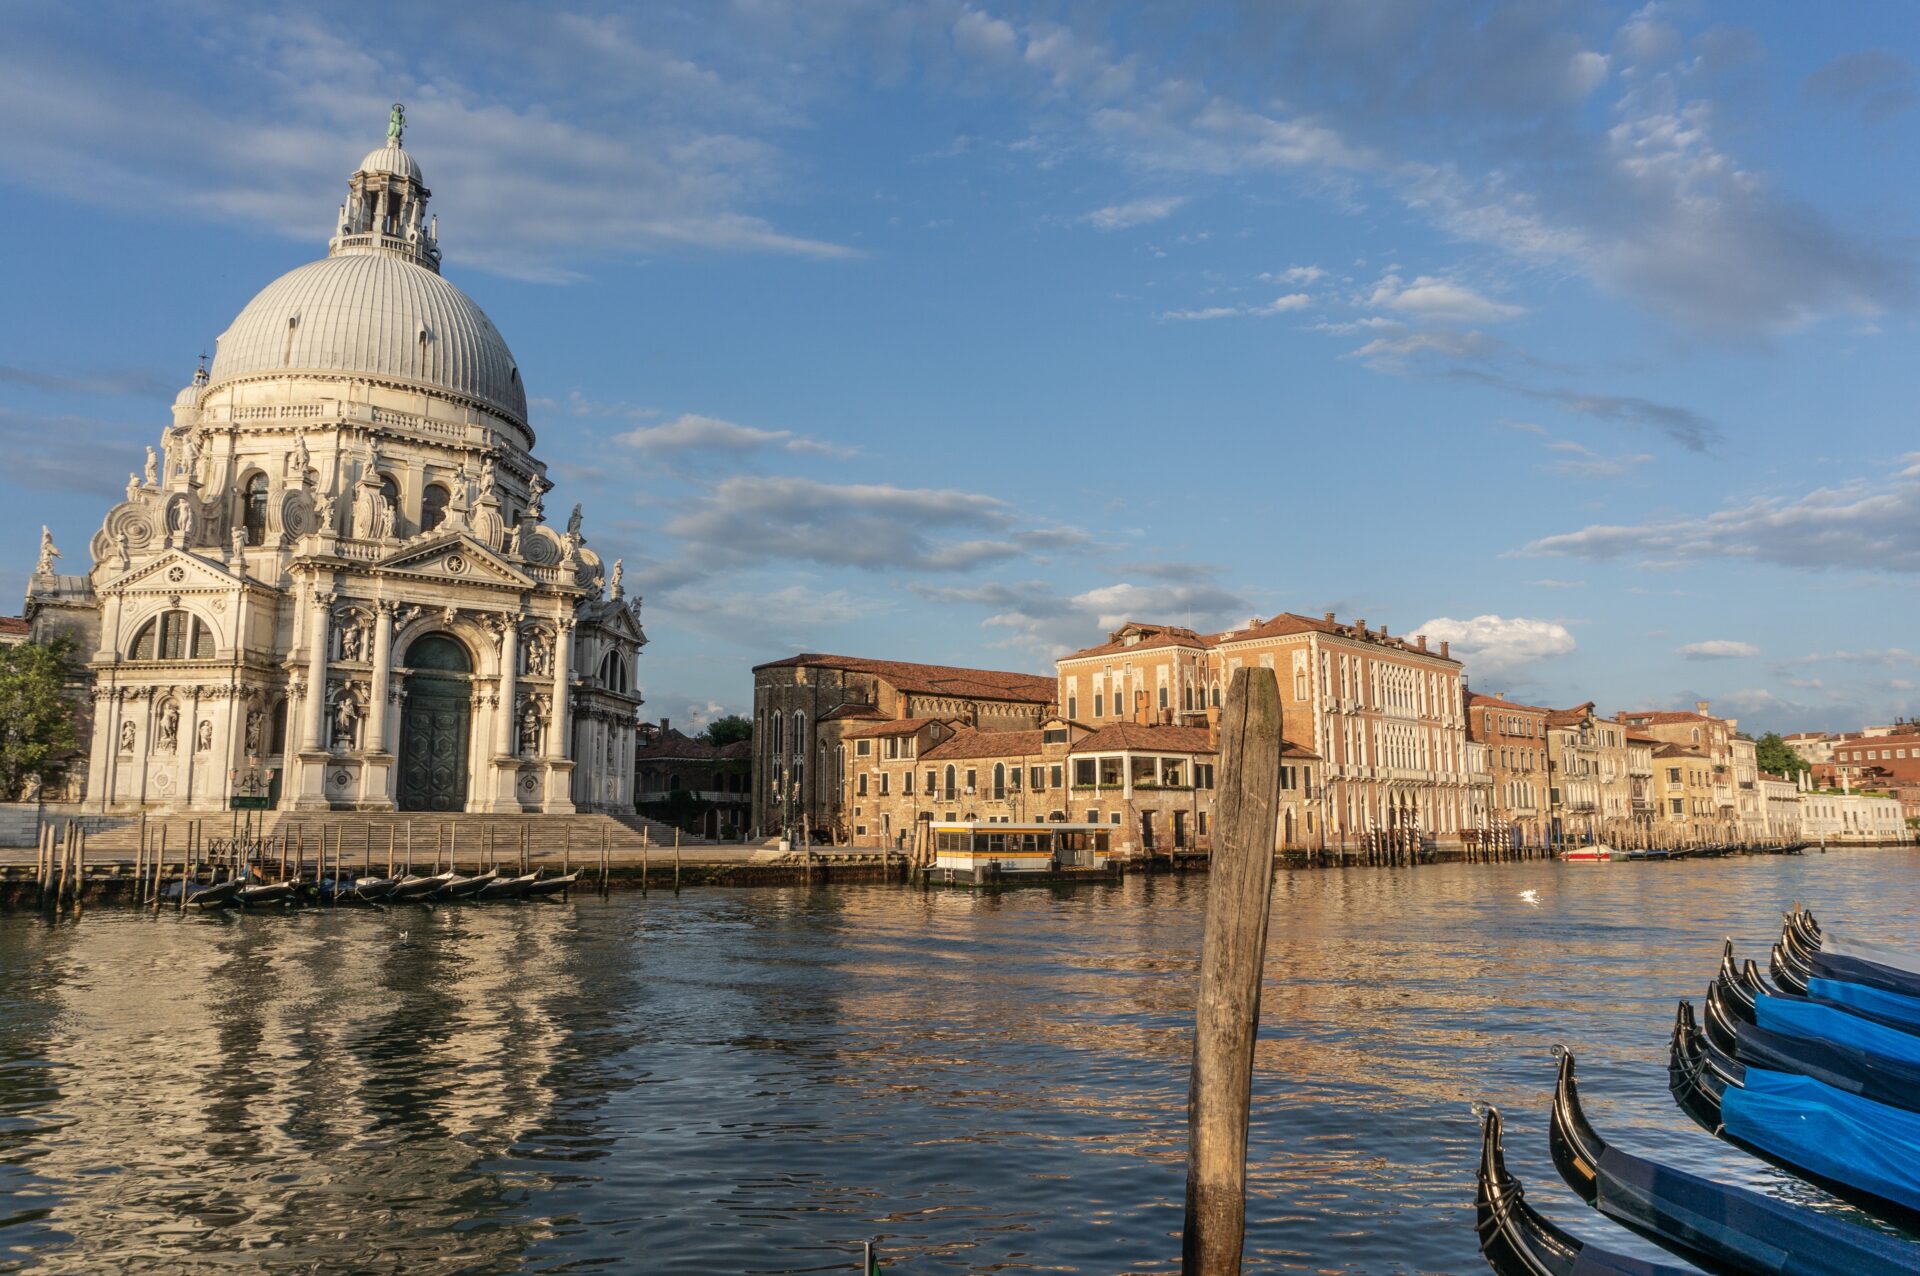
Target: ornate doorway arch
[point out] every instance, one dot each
(436, 726)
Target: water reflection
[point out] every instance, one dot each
(754, 1081)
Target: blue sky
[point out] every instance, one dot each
(1582, 335)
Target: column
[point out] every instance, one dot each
(382, 675)
(562, 692)
(509, 669)
(313, 740)
(560, 765)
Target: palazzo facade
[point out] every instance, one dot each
(335, 582)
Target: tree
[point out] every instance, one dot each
(728, 730)
(1772, 753)
(38, 739)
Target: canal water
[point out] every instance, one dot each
(755, 1081)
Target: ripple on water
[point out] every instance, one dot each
(755, 1081)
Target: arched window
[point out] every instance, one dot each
(613, 672)
(952, 775)
(253, 509)
(1000, 780)
(173, 635)
(433, 507)
(799, 734)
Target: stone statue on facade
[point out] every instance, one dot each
(189, 463)
(350, 642)
(323, 513)
(486, 475)
(536, 490)
(47, 552)
(169, 735)
(614, 587)
(126, 737)
(539, 655)
(530, 730)
(238, 549)
(123, 552)
(180, 521)
(301, 457)
(396, 123)
(203, 736)
(513, 542)
(346, 721)
(573, 525)
(256, 720)
(153, 468)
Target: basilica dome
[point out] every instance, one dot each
(376, 305)
(378, 315)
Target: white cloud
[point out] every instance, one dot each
(1498, 645)
(1578, 461)
(1278, 306)
(1439, 301)
(1034, 616)
(1446, 342)
(1719, 649)
(1138, 212)
(1308, 275)
(692, 432)
(1863, 525)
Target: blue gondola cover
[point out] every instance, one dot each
(1827, 1132)
(1888, 1007)
(1853, 970)
(1819, 1022)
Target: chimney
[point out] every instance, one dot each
(1383, 629)
(1421, 641)
(1700, 707)
(664, 725)
(1329, 618)
(1443, 649)
(1360, 627)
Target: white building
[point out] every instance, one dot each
(335, 581)
(1830, 818)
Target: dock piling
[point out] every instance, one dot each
(1233, 955)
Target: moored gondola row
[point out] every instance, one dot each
(1817, 1073)
(247, 891)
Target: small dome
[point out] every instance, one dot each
(391, 158)
(374, 314)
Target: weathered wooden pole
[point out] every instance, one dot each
(676, 861)
(1232, 957)
(390, 847)
(603, 861)
(646, 865)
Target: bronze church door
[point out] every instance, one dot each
(435, 727)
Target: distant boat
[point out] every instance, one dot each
(1594, 854)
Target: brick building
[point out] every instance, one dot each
(1714, 738)
(804, 705)
(1879, 762)
(1515, 736)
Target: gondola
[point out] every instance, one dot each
(265, 894)
(507, 887)
(1864, 1152)
(418, 889)
(210, 896)
(1883, 954)
(1883, 1078)
(374, 890)
(552, 885)
(466, 887)
(1517, 1241)
(1784, 974)
(1809, 962)
(1723, 1229)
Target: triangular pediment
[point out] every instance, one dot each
(615, 614)
(177, 571)
(455, 557)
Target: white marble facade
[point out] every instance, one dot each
(335, 578)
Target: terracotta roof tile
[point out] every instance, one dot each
(941, 680)
(986, 744)
(14, 625)
(1149, 637)
(1476, 700)
(1288, 623)
(899, 726)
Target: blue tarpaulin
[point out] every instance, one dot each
(1887, 1007)
(1820, 1022)
(1812, 1126)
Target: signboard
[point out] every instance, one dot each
(249, 803)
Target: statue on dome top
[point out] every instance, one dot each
(47, 552)
(153, 469)
(396, 123)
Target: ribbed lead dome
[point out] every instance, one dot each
(391, 158)
(377, 314)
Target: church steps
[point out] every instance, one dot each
(548, 835)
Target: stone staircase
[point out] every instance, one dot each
(549, 837)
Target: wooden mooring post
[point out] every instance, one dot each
(603, 862)
(676, 861)
(1232, 958)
